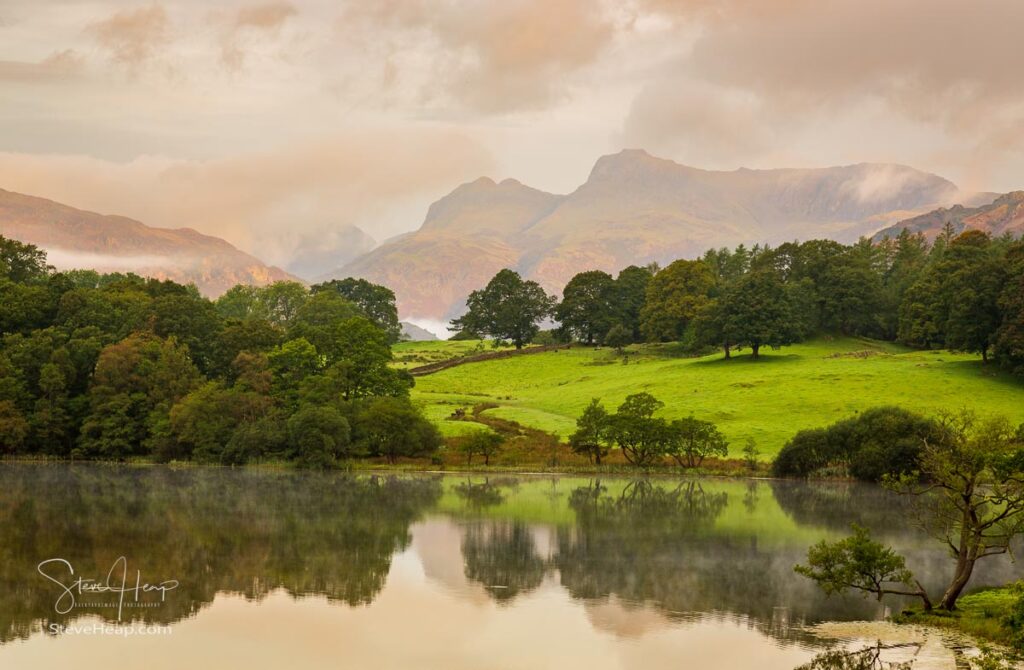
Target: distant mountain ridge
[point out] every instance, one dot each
(76, 238)
(634, 208)
(1004, 215)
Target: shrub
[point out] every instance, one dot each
(877, 442)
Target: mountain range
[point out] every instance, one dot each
(633, 209)
(75, 238)
(1003, 216)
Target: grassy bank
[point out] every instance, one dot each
(804, 386)
(981, 615)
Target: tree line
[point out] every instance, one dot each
(963, 292)
(115, 366)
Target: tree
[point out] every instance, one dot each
(376, 302)
(955, 302)
(191, 320)
(241, 301)
(201, 424)
(630, 294)
(241, 335)
(25, 307)
(318, 436)
(484, 443)
(507, 309)
(693, 440)
(393, 428)
(618, 337)
(587, 310)
(974, 314)
(757, 311)
(321, 320)
(51, 420)
(292, 363)
(710, 327)
(642, 438)
(1009, 339)
(281, 301)
(861, 564)
(13, 427)
(751, 453)
(135, 384)
(969, 491)
(362, 362)
(22, 263)
(592, 432)
(674, 297)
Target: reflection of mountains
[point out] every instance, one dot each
(213, 530)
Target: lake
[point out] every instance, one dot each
(268, 569)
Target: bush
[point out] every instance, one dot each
(877, 442)
(1014, 620)
(809, 450)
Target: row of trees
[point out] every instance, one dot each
(116, 366)
(962, 292)
(644, 438)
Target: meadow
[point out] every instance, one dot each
(803, 386)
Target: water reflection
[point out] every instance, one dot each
(636, 559)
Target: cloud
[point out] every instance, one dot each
(921, 76)
(702, 123)
(248, 23)
(269, 203)
(70, 259)
(490, 57)
(133, 37)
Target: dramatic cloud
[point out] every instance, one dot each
(283, 120)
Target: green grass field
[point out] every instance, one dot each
(808, 385)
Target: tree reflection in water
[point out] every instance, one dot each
(681, 548)
(213, 530)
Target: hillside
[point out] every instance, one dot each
(1004, 215)
(803, 386)
(633, 209)
(74, 238)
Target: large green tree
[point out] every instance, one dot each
(588, 307)
(507, 309)
(376, 302)
(758, 310)
(630, 295)
(674, 297)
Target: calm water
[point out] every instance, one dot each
(304, 570)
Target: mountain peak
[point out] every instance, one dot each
(631, 164)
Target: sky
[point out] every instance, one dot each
(275, 124)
